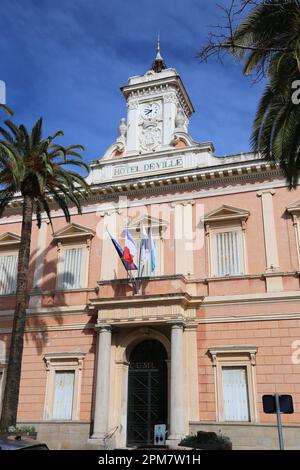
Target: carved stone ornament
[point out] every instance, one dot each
(180, 120)
(150, 138)
(132, 104)
(122, 132)
(171, 98)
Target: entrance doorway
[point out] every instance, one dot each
(147, 392)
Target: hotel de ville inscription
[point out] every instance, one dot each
(147, 166)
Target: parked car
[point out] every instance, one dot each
(19, 442)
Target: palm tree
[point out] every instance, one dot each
(6, 109)
(269, 41)
(33, 167)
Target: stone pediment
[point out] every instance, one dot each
(72, 231)
(9, 239)
(226, 213)
(294, 208)
(147, 221)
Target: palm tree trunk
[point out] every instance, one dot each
(11, 393)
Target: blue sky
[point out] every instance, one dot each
(66, 59)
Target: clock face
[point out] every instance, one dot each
(150, 110)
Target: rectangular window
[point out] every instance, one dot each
(8, 273)
(235, 394)
(73, 268)
(228, 259)
(63, 395)
(63, 386)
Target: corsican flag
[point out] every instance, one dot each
(152, 251)
(144, 252)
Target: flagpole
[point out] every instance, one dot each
(138, 280)
(131, 278)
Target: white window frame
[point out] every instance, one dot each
(213, 263)
(58, 362)
(225, 219)
(73, 236)
(294, 210)
(61, 261)
(157, 227)
(242, 357)
(12, 252)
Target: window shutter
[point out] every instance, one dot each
(73, 268)
(228, 256)
(235, 394)
(63, 395)
(8, 274)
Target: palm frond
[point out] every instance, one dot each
(41, 169)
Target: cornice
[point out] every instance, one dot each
(175, 182)
(194, 322)
(157, 197)
(278, 297)
(43, 328)
(168, 277)
(179, 181)
(242, 424)
(164, 83)
(125, 302)
(249, 318)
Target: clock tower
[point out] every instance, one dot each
(158, 107)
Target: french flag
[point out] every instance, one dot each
(130, 252)
(119, 249)
(126, 255)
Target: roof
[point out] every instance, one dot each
(18, 442)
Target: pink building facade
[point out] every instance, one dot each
(215, 324)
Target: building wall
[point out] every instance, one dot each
(34, 373)
(267, 320)
(275, 372)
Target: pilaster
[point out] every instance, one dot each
(273, 279)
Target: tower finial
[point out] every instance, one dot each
(159, 64)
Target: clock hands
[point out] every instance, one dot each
(150, 111)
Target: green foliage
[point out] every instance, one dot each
(22, 430)
(34, 166)
(268, 41)
(207, 441)
(6, 109)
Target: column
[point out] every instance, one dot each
(190, 336)
(109, 256)
(273, 280)
(177, 392)
(102, 392)
(122, 385)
